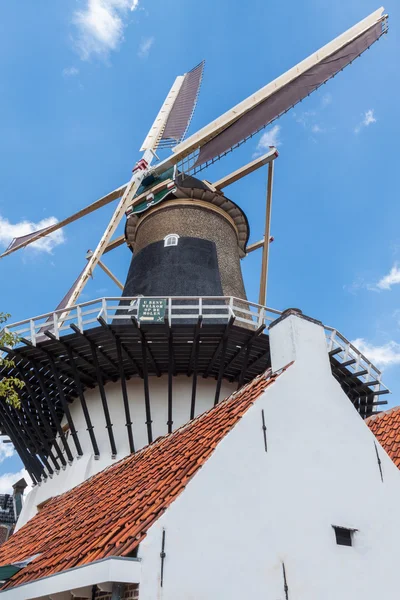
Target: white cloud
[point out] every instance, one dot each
(305, 117)
(317, 129)
(6, 450)
(70, 71)
(269, 138)
(392, 278)
(145, 46)
(9, 231)
(368, 118)
(101, 25)
(381, 356)
(7, 480)
(326, 99)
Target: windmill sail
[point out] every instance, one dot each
(282, 100)
(29, 238)
(267, 104)
(182, 111)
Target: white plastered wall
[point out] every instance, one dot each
(247, 511)
(84, 467)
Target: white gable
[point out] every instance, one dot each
(247, 511)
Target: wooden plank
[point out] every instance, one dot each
(246, 169)
(267, 233)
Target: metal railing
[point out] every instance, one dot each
(183, 309)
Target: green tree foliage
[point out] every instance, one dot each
(9, 386)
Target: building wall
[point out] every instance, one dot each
(86, 466)
(247, 511)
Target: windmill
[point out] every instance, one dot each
(219, 137)
(183, 310)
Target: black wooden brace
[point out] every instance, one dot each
(101, 352)
(249, 342)
(195, 358)
(84, 374)
(103, 398)
(65, 406)
(170, 374)
(21, 448)
(124, 349)
(54, 415)
(146, 390)
(144, 341)
(17, 417)
(40, 415)
(125, 396)
(89, 426)
(218, 348)
(52, 412)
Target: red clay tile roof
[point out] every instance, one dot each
(386, 428)
(110, 513)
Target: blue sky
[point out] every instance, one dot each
(80, 84)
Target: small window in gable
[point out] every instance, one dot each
(344, 536)
(171, 240)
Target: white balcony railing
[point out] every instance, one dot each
(187, 308)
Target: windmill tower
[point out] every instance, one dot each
(105, 378)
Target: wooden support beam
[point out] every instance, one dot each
(375, 382)
(145, 350)
(221, 365)
(378, 403)
(124, 349)
(67, 346)
(62, 366)
(347, 363)
(25, 438)
(37, 442)
(65, 406)
(195, 358)
(39, 411)
(107, 271)
(128, 421)
(51, 408)
(246, 169)
(143, 339)
(103, 397)
(114, 244)
(255, 362)
(25, 456)
(254, 246)
(39, 415)
(170, 374)
(53, 413)
(218, 348)
(250, 340)
(337, 350)
(196, 335)
(267, 233)
(101, 352)
(244, 365)
(361, 373)
(81, 395)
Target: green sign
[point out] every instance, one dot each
(152, 310)
(152, 201)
